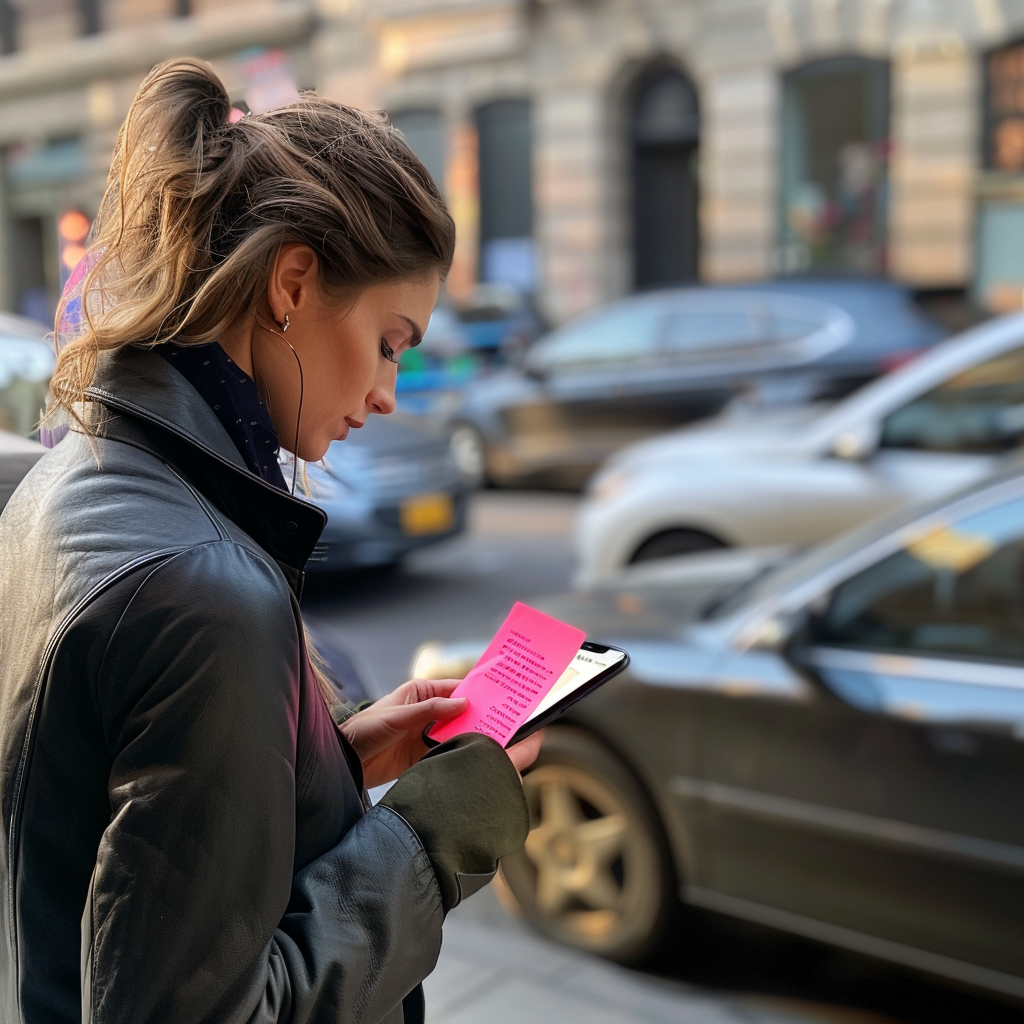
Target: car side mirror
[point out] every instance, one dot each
(775, 633)
(858, 442)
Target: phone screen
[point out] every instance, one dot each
(587, 665)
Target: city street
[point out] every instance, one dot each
(492, 969)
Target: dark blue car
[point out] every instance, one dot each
(662, 359)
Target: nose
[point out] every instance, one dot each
(381, 399)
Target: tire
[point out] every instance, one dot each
(675, 542)
(469, 450)
(595, 872)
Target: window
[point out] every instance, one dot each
(8, 27)
(90, 10)
(979, 411)
(955, 591)
(507, 252)
(1004, 109)
(835, 149)
(698, 328)
(609, 340)
(424, 131)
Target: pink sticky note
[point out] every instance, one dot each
(522, 662)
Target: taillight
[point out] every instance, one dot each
(894, 360)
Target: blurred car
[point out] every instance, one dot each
(833, 746)
(891, 328)
(800, 475)
(26, 365)
(431, 375)
(659, 360)
(17, 456)
(498, 320)
(388, 488)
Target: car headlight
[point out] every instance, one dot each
(608, 486)
(446, 661)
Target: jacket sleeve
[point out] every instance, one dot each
(194, 912)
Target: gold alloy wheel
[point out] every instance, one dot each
(591, 872)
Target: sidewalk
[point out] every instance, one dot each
(493, 971)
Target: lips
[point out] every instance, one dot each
(350, 424)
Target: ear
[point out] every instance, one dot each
(293, 280)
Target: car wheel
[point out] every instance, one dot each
(469, 450)
(595, 871)
(675, 542)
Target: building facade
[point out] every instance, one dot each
(589, 148)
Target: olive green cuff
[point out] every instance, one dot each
(465, 802)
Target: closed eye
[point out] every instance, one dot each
(387, 351)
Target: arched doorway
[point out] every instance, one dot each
(664, 135)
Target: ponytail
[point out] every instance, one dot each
(196, 208)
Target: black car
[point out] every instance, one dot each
(659, 360)
(834, 748)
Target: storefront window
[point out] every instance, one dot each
(835, 154)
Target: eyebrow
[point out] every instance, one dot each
(417, 333)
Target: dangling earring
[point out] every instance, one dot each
(302, 389)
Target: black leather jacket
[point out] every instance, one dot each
(185, 836)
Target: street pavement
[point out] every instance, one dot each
(492, 969)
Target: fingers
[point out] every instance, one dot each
(415, 716)
(524, 753)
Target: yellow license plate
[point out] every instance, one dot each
(427, 513)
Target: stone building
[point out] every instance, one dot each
(592, 147)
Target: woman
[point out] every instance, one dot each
(186, 836)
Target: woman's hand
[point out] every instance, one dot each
(388, 735)
(525, 752)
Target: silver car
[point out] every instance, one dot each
(801, 475)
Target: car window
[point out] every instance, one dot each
(956, 590)
(691, 329)
(978, 411)
(618, 337)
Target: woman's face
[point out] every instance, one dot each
(348, 352)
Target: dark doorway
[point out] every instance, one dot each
(665, 134)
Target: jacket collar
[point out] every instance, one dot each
(158, 410)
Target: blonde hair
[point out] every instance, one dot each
(197, 207)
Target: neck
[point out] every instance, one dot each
(238, 345)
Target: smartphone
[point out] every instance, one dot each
(593, 666)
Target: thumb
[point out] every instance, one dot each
(435, 709)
